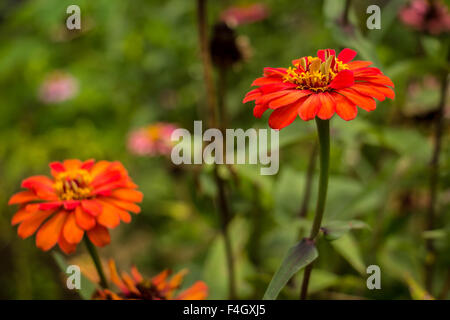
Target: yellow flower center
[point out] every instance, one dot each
(154, 132)
(73, 185)
(312, 73)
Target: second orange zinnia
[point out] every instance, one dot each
(319, 86)
(81, 197)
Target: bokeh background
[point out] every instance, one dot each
(79, 94)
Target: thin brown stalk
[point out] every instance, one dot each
(433, 184)
(222, 203)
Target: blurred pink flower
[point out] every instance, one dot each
(238, 15)
(427, 16)
(58, 87)
(152, 140)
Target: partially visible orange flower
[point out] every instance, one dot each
(319, 86)
(160, 287)
(80, 197)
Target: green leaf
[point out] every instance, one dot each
(297, 258)
(348, 248)
(416, 290)
(87, 287)
(333, 230)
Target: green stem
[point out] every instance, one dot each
(434, 182)
(323, 130)
(94, 255)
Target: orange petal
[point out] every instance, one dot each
(115, 278)
(87, 164)
(198, 291)
(363, 101)
(34, 207)
(176, 280)
(129, 282)
(369, 90)
(259, 110)
(266, 98)
(19, 216)
(72, 232)
(252, 95)
(378, 79)
(31, 224)
(128, 206)
(48, 234)
(283, 117)
(136, 274)
(72, 164)
(291, 97)
(327, 107)
(124, 216)
(127, 195)
(358, 64)
(22, 197)
(99, 236)
(160, 278)
(386, 91)
(309, 108)
(66, 247)
(344, 79)
(110, 216)
(345, 108)
(84, 220)
(92, 207)
(99, 167)
(265, 80)
(346, 55)
(56, 168)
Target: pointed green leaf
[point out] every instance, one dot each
(297, 258)
(335, 229)
(349, 249)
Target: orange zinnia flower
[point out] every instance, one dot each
(156, 288)
(81, 197)
(319, 86)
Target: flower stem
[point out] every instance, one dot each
(94, 255)
(323, 130)
(434, 181)
(308, 184)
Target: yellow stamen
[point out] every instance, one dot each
(73, 185)
(317, 74)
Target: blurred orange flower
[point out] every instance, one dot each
(159, 287)
(319, 86)
(80, 197)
